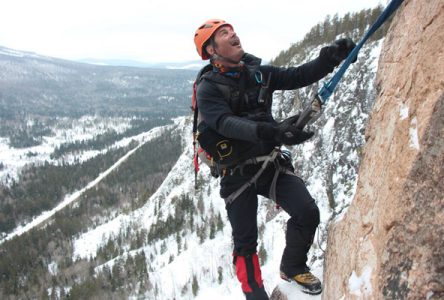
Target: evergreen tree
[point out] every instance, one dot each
(212, 230)
(262, 254)
(220, 276)
(195, 286)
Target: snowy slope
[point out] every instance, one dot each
(65, 131)
(328, 164)
(71, 198)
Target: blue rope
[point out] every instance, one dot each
(328, 88)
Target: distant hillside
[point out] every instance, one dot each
(189, 65)
(352, 25)
(39, 85)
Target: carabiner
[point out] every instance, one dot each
(258, 76)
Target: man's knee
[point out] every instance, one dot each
(312, 215)
(308, 216)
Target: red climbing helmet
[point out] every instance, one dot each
(204, 33)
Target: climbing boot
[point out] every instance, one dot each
(308, 283)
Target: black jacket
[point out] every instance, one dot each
(240, 122)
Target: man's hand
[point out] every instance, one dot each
(284, 132)
(291, 135)
(338, 51)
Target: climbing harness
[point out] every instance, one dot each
(313, 111)
(273, 157)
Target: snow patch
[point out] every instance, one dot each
(53, 268)
(361, 285)
(413, 134)
(87, 244)
(429, 295)
(403, 111)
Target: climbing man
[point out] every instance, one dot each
(236, 127)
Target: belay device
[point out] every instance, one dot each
(312, 112)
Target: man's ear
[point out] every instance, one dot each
(210, 49)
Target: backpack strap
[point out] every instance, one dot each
(228, 88)
(233, 91)
(194, 107)
(204, 73)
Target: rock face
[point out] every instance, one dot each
(390, 243)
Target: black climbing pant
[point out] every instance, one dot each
(292, 195)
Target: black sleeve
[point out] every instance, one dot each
(216, 113)
(297, 77)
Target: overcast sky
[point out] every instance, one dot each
(157, 30)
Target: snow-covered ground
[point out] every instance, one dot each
(66, 130)
(47, 149)
(203, 260)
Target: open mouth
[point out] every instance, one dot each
(235, 42)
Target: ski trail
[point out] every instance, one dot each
(70, 198)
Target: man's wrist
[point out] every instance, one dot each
(266, 131)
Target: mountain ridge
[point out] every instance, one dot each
(188, 65)
(53, 86)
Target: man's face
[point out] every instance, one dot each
(226, 44)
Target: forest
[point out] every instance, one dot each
(24, 260)
(352, 25)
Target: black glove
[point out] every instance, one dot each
(285, 132)
(291, 135)
(337, 52)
